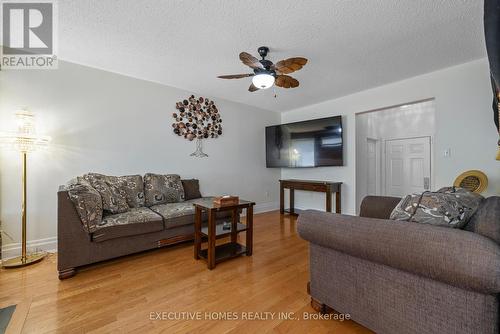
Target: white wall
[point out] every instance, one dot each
(108, 123)
(464, 123)
(407, 121)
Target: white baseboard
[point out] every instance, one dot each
(265, 207)
(14, 249)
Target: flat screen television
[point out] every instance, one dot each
(314, 143)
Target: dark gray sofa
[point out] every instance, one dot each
(400, 277)
(146, 228)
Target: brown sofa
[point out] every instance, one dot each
(400, 277)
(145, 228)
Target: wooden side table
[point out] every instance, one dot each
(214, 254)
(326, 187)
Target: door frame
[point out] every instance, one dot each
(384, 159)
(378, 165)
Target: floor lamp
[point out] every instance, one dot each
(25, 140)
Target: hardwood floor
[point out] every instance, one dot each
(122, 295)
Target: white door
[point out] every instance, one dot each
(407, 166)
(371, 166)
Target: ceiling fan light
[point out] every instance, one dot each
(263, 81)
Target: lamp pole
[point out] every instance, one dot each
(23, 255)
(24, 259)
(25, 140)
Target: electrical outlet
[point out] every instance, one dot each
(267, 194)
(447, 152)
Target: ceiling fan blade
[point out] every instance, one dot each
(290, 65)
(286, 81)
(250, 60)
(252, 88)
(236, 76)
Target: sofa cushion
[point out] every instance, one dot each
(111, 189)
(448, 207)
(191, 189)
(88, 203)
(486, 220)
(202, 200)
(133, 222)
(133, 186)
(161, 189)
(175, 214)
(179, 214)
(210, 199)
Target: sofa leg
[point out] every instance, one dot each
(67, 273)
(320, 307)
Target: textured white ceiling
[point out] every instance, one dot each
(352, 45)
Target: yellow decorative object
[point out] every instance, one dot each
(24, 140)
(473, 180)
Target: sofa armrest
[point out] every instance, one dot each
(459, 258)
(72, 239)
(378, 206)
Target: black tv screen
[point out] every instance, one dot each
(313, 143)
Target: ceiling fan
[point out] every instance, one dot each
(266, 74)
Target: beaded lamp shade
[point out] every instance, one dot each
(25, 139)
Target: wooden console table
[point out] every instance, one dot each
(317, 186)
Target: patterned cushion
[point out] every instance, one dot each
(134, 222)
(179, 214)
(88, 203)
(203, 200)
(133, 186)
(112, 192)
(208, 200)
(160, 189)
(450, 207)
(133, 216)
(172, 210)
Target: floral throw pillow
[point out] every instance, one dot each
(133, 186)
(449, 207)
(88, 203)
(111, 189)
(161, 189)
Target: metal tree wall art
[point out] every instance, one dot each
(197, 118)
